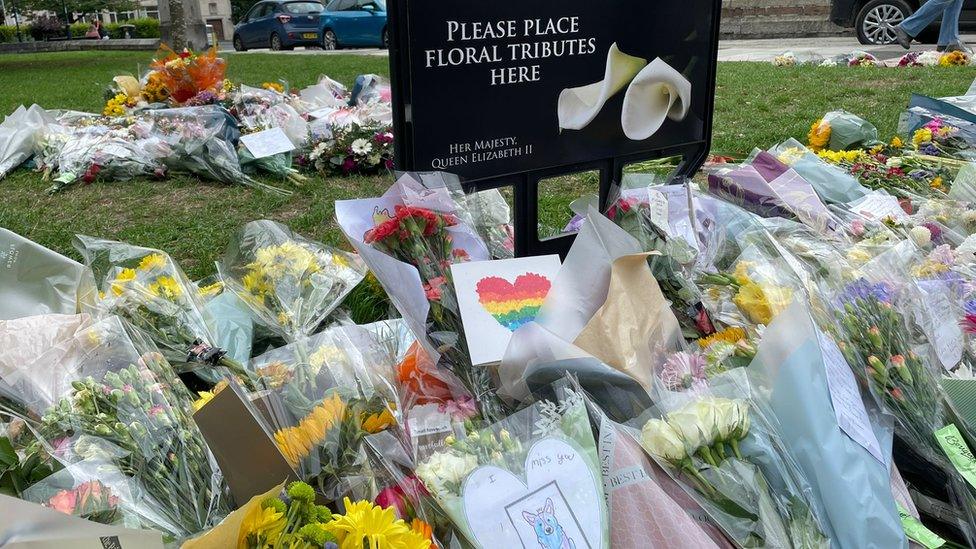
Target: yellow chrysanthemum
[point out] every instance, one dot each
(203, 397)
(152, 261)
(211, 290)
(741, 273)
(841, 157)
(256, 284)
(761, 304)
(297, 442)
(819, 135)
(374, 423)
(166, 287)
(260, 526)
(730, 335)
(368, 526)
(896, 142)
(936, 183)
(326, 354)
(922, 136)
(124, 277)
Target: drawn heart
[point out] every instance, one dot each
(513, 305)
(560, 503)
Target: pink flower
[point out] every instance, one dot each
(682, 370)
(433, 288)
(460, 408)
(65, 501)
(857, 227)
(460, 254)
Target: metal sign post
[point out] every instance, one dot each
(508, 94)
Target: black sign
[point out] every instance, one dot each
(487, 90)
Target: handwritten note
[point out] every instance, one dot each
(852, 417)
(877, 206)
(267, 142)
(936, 318)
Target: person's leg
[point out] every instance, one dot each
(922, 18)
(949, 30)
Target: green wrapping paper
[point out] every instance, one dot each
(35, 280)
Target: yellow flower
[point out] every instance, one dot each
(260, 526)
(256, 284)
(297, 442)
(374, 423)
(922, 136)
(841, 157)
(203, 397)
(876, 149)
(760, 304)
(275, 374)
(730, 335)
(936, 183)
(273, 86)
(152, 261)
(326, 354)
(896, 142)
(211, 289)
(819, 135)
(422, 528)
(791, 155)
(368, 526)
(741, 273)
(166, 287)
(125, 276)
(339, 260)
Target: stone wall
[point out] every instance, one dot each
(777, 18)
(134, 44)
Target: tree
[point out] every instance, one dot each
(238, 8)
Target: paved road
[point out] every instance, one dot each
(728, 50)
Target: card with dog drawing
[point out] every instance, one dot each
(544, 518)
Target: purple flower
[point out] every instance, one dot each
(935, 230)
(970, 306)
(683, 370)
(861, 289)
(929, 149)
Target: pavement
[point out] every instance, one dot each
(728, 50)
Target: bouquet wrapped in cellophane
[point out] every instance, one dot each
(149, 290)
(879, 322)
(259, 109)
(290, 283)
(410, 237)
(724, 448)
(189, 75)
(108, 407)
(531, 479)
(335, 392)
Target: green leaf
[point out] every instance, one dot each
(8, 456)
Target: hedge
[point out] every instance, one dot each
(146, 27)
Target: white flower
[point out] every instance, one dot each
(921, 236)
(684, 421)
(361, 146)
(742, 417)
(443, 468)
(967, 250)
(662, 441)
(727, 412)
(828, 63)
(929, 58)
(708, 419)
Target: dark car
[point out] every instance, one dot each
(359, 23)
(873, 20)
(280, 25)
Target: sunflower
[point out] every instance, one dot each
(297, 442)
(125, 276)
(152, 261)
(730, 335)
(365, 525)
(374, 423)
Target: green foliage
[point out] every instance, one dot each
(77, 6)
(238, 8)
(8, 33)
(145, 28)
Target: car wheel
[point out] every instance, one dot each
(275, 42)
(239, 44)
(329, 41)
(876, 21)
(386, 38)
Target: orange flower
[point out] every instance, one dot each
(424, 530)
(418, 376)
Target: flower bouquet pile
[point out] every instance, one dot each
(191, 78)
(262, 109)
(290, 283)
(730, 458)
(356, 148)
(112, 411)
(149, 290)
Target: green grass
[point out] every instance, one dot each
(756, 105)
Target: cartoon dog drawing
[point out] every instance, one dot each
(547, 528)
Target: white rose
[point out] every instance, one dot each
(708, 420)
(684, 421)
(662, 441)
(728, 417)
(742, 428)
(446, 467)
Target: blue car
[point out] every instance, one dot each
(354, 23)
(280, 25)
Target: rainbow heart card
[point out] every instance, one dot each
(496, 298)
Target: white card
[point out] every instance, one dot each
(939, 323)
(876, 205)
(267, 142)
(497, 297)
(852, 418)
(556, 505)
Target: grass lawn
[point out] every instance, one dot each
(756, 105)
